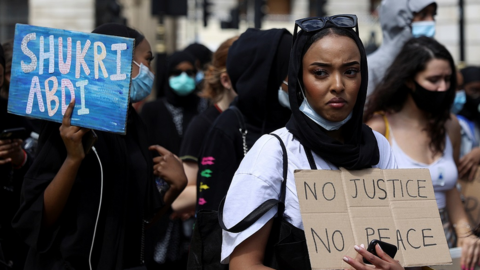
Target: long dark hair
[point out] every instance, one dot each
(391, 94)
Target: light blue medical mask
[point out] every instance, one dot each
(306, 109)
(142, 84)
(460, 99)
(283, 97)
(423, 28)
(182, 84)
(199, 77)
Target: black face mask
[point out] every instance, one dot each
(428, 101)
(471, 109)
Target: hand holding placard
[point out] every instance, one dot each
(342, 208)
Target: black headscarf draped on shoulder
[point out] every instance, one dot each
(360, 149)
(257, 64)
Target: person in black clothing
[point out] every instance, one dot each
(203, 57)
(218, 90)
(257, 65)
(169, 118)
(14, 162)
(89, 211)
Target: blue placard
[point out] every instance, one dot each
(49, 66)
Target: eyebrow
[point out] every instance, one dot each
(320, 64)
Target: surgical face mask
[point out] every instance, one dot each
(182, 84)
(283, 97)
(423, 28)
(460, 99)
(306, 109)
(142, 84)
(199, 77)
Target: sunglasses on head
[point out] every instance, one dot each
(177, 72)
(317, 23)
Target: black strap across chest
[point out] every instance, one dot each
(265, 206)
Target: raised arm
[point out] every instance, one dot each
(57, 192)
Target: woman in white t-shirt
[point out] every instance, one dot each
(327, 89)
(414, 100)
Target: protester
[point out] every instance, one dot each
(89, 211)
(14, 163)
(219, 91)
(257, 65)
(468, 114)
(203, 56)
(400, 21)
(170, 116)
(327, 83)
(414, 101)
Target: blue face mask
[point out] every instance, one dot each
(182, 84)
(141, 84)
(424, 28)
(306, 109)
(283, 98)
(460, 99)
(199, 77)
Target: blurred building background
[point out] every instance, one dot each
(173, 24)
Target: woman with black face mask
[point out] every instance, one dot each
(411, 107)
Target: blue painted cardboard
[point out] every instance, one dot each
(49, 66)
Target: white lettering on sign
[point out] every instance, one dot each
(27, 68)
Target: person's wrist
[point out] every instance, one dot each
(73, 160)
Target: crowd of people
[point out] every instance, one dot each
(227, 135)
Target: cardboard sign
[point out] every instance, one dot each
(471, 194)
(52, 66)
(343, 208)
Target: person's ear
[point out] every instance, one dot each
(225, 80)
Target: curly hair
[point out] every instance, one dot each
(391, 94)
(213, 88)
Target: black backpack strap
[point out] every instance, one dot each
(311, 161)
(264, 207)
(243, 127)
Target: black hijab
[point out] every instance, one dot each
(360, 149)
(189, 101)
(200, 52)
(257, 64)
(119, 30)
(470, 74)
(471, 107)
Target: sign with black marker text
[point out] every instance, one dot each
(343, 208)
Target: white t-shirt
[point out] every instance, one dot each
(259, 178)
